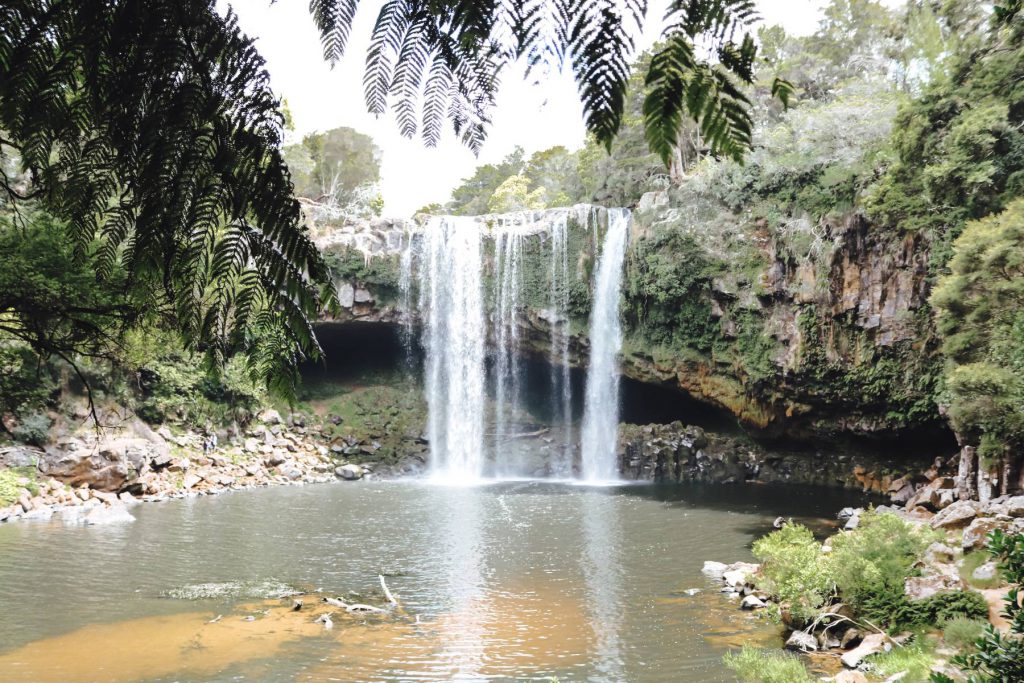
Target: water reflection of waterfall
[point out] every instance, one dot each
(464, 628)
(601, 400)
(602, 572)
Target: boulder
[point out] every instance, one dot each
(1012, 506)
(986, 572)
(850, 676)
(851, 637)
(349, 472)
(270, 417)
(870, 645)
(956, 516)
(976, 533)
(20, 456)
(114, 514)
(713, 569)
(190, 480)
(921, 587)
(802, 641)
(751, 603)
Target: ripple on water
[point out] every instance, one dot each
(509, 581)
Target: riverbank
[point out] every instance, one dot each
(92, 476)
(896, 594)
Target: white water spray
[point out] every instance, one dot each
(601, 399)
(508, 251)
(451, 296)
(561, 388)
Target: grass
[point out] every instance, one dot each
(915, 658)
(962, 633)
(753, 665)
(971, 562)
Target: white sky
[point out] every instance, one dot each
(533, 116)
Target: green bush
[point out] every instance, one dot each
(32, 429)
(871, 563)
(753, 665)
(943, 607)
(794, 570)
(961, 632)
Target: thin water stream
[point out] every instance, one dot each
(510, 581)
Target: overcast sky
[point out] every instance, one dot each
(532, 116)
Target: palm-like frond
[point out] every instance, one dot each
(152, 129)
(444, 58)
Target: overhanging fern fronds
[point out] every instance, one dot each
(444, 59)
(150, 127)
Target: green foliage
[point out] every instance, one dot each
(27, 383)
(978, 313)
(999, 658)
(13, 480)
(753, 665)
(334, 167)
(150, 128)
(915, 660)
(943, 607)
(667, 282)
(50, 296)
(349, 265)
(450, 55)
(795, 570)
(514, 194)
(871, 563)
(963, 632)
(175, 385)
(960, 145)
(33, 429)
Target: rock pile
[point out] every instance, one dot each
(90, 478)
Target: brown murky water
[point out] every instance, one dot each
(512, 581)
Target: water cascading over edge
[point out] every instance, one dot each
(451, 298)
(601, 398)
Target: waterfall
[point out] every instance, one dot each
(405, 265)
(601, 398)
(561, 389)
(452, 299)
(508, 251)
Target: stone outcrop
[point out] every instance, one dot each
(685, 453)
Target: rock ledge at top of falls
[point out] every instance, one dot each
(388, 236)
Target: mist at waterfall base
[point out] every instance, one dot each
(469, 302)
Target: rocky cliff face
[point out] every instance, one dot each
(798, 331)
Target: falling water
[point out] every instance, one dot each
(601, 398)
(508, 251)
(405, 264)
(561, 389)
(451, 297)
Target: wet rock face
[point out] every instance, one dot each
(684, 453)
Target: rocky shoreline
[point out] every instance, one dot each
(962, 526)
(92, 478)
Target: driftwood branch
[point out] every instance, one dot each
(387, 593)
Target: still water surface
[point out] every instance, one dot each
(507, 582)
